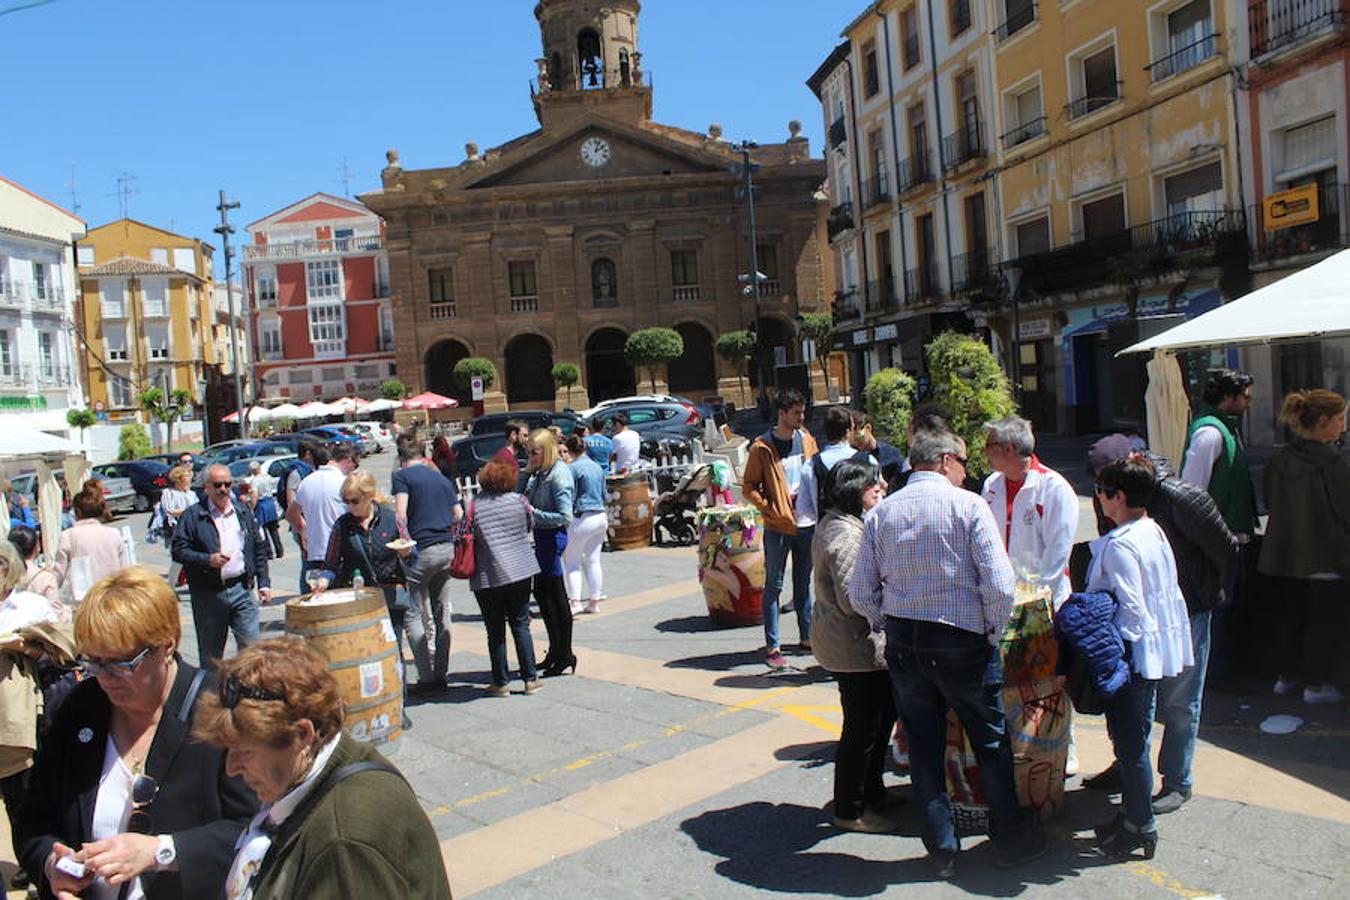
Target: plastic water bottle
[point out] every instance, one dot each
(358, 582)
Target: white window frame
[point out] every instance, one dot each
(155, 349)
(1011, 120)
(1160, 37)
(323, 281)
(1026, 218)
(155, 309)
(6, 354)
(264, 279)
(327, 328)
(1074, 77)
(120, 391)
(85, 255)
(107, 309)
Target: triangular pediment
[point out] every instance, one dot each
(627, 152)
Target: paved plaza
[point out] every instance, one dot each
(674, 765)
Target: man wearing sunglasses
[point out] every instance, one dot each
(217, 542)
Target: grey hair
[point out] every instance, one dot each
(928, 447)
(1011, 431)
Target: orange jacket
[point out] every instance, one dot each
(765, 485)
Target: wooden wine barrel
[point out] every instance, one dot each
(629, 508)
(352, 631)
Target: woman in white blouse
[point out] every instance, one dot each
(1134, 563)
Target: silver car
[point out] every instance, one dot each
(118, 494)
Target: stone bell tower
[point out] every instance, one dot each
(591, 61)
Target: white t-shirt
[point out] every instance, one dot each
(112, 812)
(627, 446)
(320, 499)
(1206, 445)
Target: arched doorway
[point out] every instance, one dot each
(608, 374)
(695, 372)
(440, 367)
(774, 333)
(529, 370)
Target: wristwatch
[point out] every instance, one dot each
(166, 854)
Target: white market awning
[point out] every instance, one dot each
(1309, 304)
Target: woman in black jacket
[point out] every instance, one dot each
(118, 752)
(359, 544)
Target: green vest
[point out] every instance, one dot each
(1230, 483)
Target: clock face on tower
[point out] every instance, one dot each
(595, 152)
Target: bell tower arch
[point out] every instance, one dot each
(590, 58)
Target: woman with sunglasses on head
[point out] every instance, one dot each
(122, 805)
(550, 490)
(338, 821)
(1134, 564)
(359, 545)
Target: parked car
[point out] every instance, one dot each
(225, 445)
(148, 478)
(118, 493)
(379, 432)
(171, 459)
(653, 419)
(292, 442)
(472, 453)
(233, 454)
(588, 414)
(339, 434)
(495, 423)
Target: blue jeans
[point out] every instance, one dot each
(304, 564)
(1129, 717)
(776, 549)
(935, 668)
(216, 613)
(1179, 711)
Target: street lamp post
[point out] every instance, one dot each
(225, 229)
(753, 279)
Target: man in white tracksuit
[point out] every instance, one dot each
(1037, 513)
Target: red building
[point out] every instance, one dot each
(319, 301)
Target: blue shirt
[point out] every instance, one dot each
(807, 495)
(932, 552)
(432, 499)
(590, 486)
(599, 448)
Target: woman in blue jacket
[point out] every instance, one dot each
(551, 491)
(586, 534)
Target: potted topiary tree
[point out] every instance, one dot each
(393, 389)
(819, 329)
(736, 347)
(652, 348)
(81, 419)
(566, 375)
(888, 398)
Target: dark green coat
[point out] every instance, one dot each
(1307, 486)
(365, 837)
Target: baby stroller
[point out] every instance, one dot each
(675, 508)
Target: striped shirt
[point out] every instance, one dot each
(503, 552)
(932, 552)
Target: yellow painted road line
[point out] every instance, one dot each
(1161, 879)
(585, 761)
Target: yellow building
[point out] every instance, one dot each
(145, 316)
(1118, 193)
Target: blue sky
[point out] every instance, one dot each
(266, 97)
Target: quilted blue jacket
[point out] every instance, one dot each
(1086, 624)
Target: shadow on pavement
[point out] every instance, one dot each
(771, 847)
(770, 678)
(720, 662)
(687, 625)
(811, 756)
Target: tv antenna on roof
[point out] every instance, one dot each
(345, 176)
(124, 192)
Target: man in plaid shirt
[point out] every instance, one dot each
(932, 571)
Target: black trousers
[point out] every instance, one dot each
(13, 790)
(551, 595)
(860, 759)
(273, 532)
(1311, 630)
(508, 604)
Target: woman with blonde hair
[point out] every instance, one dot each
(177, 497)
(117, 785)
(337, 819)
(550, 490)
(1307, 544)
(359, 545)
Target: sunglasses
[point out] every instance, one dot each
(960, 459)
(234, 690)
(143, 791)
(221, 484)
(121, 668)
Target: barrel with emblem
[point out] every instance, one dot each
(629, 508)
(352, 630)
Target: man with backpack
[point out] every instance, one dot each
(838, 429)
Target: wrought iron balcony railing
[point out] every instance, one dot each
(973, 271)
(1018, 17)
(1276, 24)
(1083, 106)
(963, 146)
(838, 132)
(882, 296)
(1023, 132)
(1330, 231)
(1186, 58)
(922, 283)
(876, 190)
(915, 171)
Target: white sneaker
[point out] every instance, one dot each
(1071, 763)
(576, 609)
(592, 607)
(1327, 693)
(1285, 686)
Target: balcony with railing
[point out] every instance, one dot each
(922, 282)
(273, 354)
(838, 132)
(1019, 16)
(1076, 109)
(443, 311)
(313, 247)
(846, 305)
(50, 374)
(155, 309)
(13, 293)
(1330, 231)
(525, 304)
(1138, 252)
(1277, 24)
(690, 293)
(49, 298)
(973, 272)
(840, 220)
(915, 171)
(13, 374)
(113, 310)
(876, 190)
(963, 146)
(881, 295)
(1023, 132)
(771, 288)
(1187, 57)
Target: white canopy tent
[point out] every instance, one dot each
(1311, 303)
(23, 448)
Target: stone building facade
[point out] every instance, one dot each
(558, 245)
